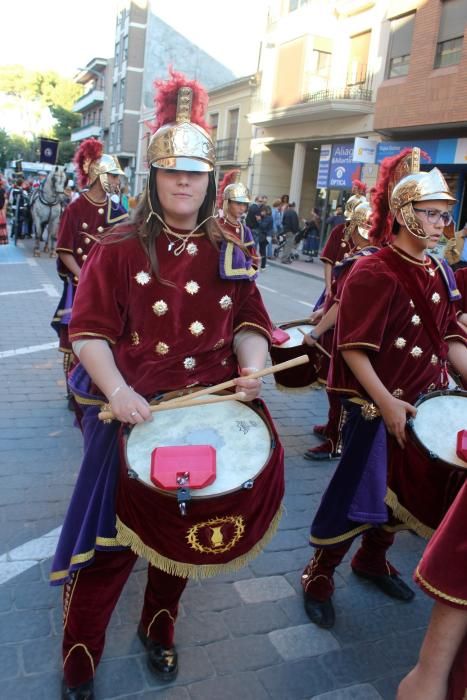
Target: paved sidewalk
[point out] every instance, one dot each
(242, 636)
(301, 267)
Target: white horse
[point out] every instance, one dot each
(46, 209)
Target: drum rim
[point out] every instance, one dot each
(291, 324)
(410, 424)
(173, 494)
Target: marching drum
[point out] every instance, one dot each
(426, 476)
(440, 416)
(296, 377)
(228, 521)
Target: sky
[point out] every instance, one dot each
(64, 36)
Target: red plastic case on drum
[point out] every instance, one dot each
(461, 445)
(279, 336)
(170, 463)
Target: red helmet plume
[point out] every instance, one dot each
(89, 151)
(360, 185)
(229, 178)
(165, 101)
(382, 218)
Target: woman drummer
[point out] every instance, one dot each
(159, 308)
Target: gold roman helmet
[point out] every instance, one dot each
(360, 221)
(351, 203)
(417, 186)
(237, 192)
(105, 165)
(183, 144)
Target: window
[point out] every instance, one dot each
(400, 44)
(122, 90)
(291, 59)
(451, 33)
(114, 95)
(321, 63)
(117, 53)
(449, 52)
(214, 123)
(295, 4)
(358, 59)
(233, 123)
(125, 48)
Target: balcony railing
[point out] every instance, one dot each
(358, 86)
(226, 149)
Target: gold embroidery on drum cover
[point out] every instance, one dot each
(217, 535)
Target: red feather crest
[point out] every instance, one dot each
(89, 151)
(361, 186)
(382, 218)
(165, 101)
(229, 178)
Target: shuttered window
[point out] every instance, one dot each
(400, 45)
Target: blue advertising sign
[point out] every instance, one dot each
(343, 170)
(323, 166)
(442, 151)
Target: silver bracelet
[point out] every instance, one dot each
(115, 391)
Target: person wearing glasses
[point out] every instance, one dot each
(396, 329)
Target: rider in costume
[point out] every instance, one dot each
(387, 353)
(83, 222)
(160, 307)
(358, 229)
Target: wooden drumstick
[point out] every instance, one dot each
(189, 401)
(302, 360)
(316, 344)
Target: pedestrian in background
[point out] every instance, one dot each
(265, 228)
(291, 226)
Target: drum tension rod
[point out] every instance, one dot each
(183, 491)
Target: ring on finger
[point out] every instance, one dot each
(134, 413)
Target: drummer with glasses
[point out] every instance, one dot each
(160, 308)
(396, 329)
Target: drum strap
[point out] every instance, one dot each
(404, 275)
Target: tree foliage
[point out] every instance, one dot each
(53, 92)
(48, 87)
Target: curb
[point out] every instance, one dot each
(290, 268)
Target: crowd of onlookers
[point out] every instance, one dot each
(279, 233)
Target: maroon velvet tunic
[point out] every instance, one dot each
(377, 316)
(168, 334)
(81, 223)
(442, 574)
(461, 279)
(336, 246)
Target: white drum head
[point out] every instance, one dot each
(296, 338)
(439, 418)
(239, 435)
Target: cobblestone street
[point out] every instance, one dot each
(243, 636)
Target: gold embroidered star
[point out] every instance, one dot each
(189, 363)
(135, 338)
(87, 240)
(412, 304)
(85, 226)
(226, 302)
(162, 348)
(415, 320)
(435, 298)
(434, 359)
(416, 351)
(400, 343)
(100, 211)
(142, 277)
(192, 249)
(431, 272)
(160, 307)
(192, 287)
(398, 393)
(196, 328)
(219, 344)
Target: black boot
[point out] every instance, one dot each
(163, 662)
(85, 691)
